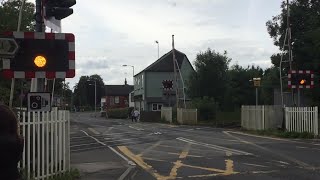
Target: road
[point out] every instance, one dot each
(119, 149)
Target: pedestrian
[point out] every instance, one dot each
(11, 145)
(136, 115)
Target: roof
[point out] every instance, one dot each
(118, 90)
(165, 63)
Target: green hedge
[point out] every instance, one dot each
(119, 113)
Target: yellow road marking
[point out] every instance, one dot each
(149, 148)
(94, 131)
(152, 159)
(178, 164)
(138, 160)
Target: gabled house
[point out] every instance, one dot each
(116, 96)
(149, 93)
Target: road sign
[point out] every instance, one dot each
(299, 79)
(39, 101)
(8, 47)
(41, 55)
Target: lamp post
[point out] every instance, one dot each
(158, 47)
(126, 65)
(95, 96)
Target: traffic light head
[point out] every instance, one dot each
(59, 9)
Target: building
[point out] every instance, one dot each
(116, 96)
(149, 94)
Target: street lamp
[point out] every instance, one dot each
(126, 65)
(158, 48)
(95, 95)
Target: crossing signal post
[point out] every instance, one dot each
(300, 79)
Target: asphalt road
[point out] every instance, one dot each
(119, 149)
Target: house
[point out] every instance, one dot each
(116, 96)
(149, 92)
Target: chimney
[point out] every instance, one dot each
(125, 81)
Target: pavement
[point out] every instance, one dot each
(119, 149)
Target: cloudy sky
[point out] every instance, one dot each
(110, 33)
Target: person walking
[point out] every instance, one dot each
(136, 115)
(11, 145)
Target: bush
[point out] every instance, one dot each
(119, 113)
(207, 108)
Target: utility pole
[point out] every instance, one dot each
(175, 73)
(18, 29)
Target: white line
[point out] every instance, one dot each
(125, 174)
(94, 131)
(219, 148)
(257, 165)
(115, 151)
(94, 138)
(136, 128)
(129, 162)
(282, 162)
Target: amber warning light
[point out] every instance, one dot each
(40, 61)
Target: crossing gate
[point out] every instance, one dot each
(46, 143)
(302, 119)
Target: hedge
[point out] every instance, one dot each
(119, 113)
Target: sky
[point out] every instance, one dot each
(111, 33)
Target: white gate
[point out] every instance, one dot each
(46, 143)
(302, 119)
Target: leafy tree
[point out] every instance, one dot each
(9, 12)
(9, 15)
(210, 76)
(305, 28)
(84, 90)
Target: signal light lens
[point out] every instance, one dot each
(303, 81)
(40, 61)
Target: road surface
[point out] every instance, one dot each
(119, 149)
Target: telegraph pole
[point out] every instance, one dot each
(175, 73)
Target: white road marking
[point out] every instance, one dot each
(301, 147)
(129, 162)
(257, 165)
(136, 128)
(109, 129)
(94, 131)
(281, 162)
(212, 146)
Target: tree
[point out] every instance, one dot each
(210, 76)
(9, 12)
(84, 90)
(305, 28)
(9, 15)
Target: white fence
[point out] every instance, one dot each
(302, 119)
(47, 143)
(166, 113)
(187, 116)
(261, 117)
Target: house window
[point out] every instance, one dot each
(111, 100)
(156, 107)
(116, 100)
